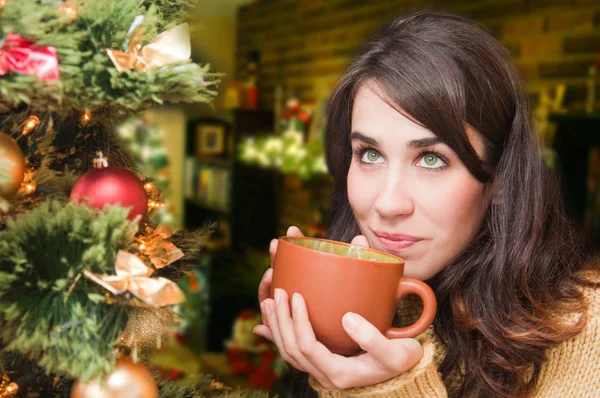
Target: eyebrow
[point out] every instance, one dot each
(424, 142)
(355, 135)
(414, 144)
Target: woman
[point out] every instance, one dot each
(435, 159)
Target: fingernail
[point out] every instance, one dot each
(267, 274)
(277, 296)
(295, 301)
(272, 245)
(351, 321)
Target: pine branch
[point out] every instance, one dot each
(88, 78)
(48, 312)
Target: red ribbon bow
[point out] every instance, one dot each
(23, 56)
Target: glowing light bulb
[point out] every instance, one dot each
(31, 123)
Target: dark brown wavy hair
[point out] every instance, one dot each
(499, 300)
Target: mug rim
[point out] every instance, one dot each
(287, 239)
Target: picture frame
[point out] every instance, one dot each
(210, 138)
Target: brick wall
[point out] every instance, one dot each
(301, 202)
(305, 44)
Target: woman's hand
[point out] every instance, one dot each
(265, 283)
(294, 336)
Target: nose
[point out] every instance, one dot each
(394, 199)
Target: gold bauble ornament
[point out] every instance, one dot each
(128, 380)
(12, 166)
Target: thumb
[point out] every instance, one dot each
(362, 332)
(360, 240)
(294, 231)
(399, 354)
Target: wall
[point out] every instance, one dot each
(305, 44)
(213, 40)
(171, 122)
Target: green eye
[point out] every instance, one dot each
(371, 156)
(431, 161)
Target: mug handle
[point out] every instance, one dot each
(413, 286)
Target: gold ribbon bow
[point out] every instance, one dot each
(159, 249)
(172, 45)
(134, 276)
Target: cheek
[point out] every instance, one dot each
(457, 207)
(362, 192)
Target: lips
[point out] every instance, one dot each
(396, 242)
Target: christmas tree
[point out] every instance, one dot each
(93, 286)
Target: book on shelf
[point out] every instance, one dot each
(207, 184)
(189, 177)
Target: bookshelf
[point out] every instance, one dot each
(577, 145)
(241, 200)
(217, 188)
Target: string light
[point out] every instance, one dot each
(141, 246)
(30, 188)
(31, 123)
(2, 3)
(148, 186)
(155, 204)
(86, 117)
(7, 389)
(68, 10)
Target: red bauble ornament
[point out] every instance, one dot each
(12, 166)
(108, 185)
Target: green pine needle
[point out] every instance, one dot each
(48, 312)
(88, 79)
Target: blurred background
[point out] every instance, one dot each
(253, 164)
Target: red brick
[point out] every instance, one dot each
(563, 69)
(504, 9)
(523, 27)
(541, 46)
(571, 21)
(536, 5)
(527, 70)
(588, 43)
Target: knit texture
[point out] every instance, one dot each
(572, 368)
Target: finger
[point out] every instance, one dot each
(288, 334)
(395, 354)
(263, 315)
(272, 250)
(341, 372)
(323, 360)
(273, 324)
(360, 240)
(291, 231)
(263, 331)
(265, 285)
(294, 231)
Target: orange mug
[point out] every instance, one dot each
(335, 278)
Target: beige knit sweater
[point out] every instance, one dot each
(572, 368)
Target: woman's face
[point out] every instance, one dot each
(410, 193)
